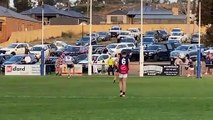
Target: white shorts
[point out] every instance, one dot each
(123, 75)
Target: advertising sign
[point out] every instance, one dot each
(162, 70)
(22, 70)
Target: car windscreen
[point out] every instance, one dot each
(115, 28)
(182, 48)
(176, 30)
(111, 46)
(149, 34)
(124, 33)
(173, 41)
(153, 47)
(195, 36)
(36, 49)
(85, 39)
(127, 40)
(12, 45)
(71, 49)
(103, 33)
(15, 58)
(148, 40)
(176, 34)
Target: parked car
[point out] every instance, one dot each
(15, 48)
(176, 30)
(104, 36)
(129, 40)
(95, 48)
(18, 59)
(4, 58)
(163, 34)
(79, 58)
(153, 34)
(85, 41)
(60, 44)
(147, 41)
(37, 50)
(115, 31)
(116, 48)
(180, 36)
(133, 54)
(136, 32)
(99, 59)
(124, 34)
(183, 51)
(95, 36)
(157, 52)
(195, 38)
(52, 47)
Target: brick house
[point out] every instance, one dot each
(11, 21)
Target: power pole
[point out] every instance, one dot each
(188, 16)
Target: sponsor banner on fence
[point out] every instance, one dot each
(162, 70)
(22, 70)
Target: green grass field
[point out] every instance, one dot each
(96, 98)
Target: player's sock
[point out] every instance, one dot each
(121, 93)
(113, 81)
(124, 94)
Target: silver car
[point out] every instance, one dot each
(183, 51)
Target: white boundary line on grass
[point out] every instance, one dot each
(102, 97)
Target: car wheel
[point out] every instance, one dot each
(13, 53)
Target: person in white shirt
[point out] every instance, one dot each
(69, 61)
(27, 59)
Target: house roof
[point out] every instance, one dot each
(150, 10)
(48, 10)
(118, 12)
(162, 17)
(9, 13)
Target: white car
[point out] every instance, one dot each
(37, 50)
(60, 44)
(15, 48)
(136, 32)
(99, 60)
(180, 36)
(116, 48)
(115, 31)
(124, 34)
(176, 30)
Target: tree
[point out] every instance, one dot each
(22, 5)
(4, 3)
(207, 20)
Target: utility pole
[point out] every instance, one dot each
(188, 17)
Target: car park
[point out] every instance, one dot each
(4, 58)
(15, 48)
(153, 34)
(95, 48)
(115, 31)
(37, 50)
(163, 35)
(124, 34)
(103, 36)
(85, 41)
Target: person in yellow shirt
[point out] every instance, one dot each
(110, 63)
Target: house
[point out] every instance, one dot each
(151, 15)
(155, 15)
(54, 16)
(117, 17)
(11, 21)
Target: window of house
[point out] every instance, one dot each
(117, 19)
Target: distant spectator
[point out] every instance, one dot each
(95, 69)
(26, 50)
(110, 64)
(48, 66)
(189, 67)
(103, 69)
(208, 62)
(27, 59)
